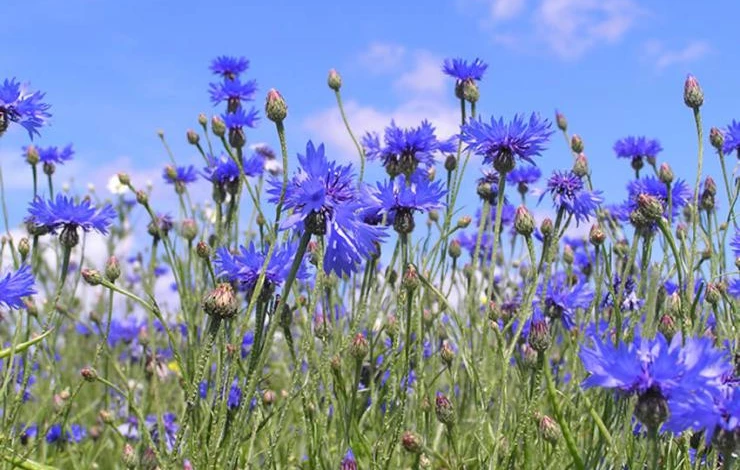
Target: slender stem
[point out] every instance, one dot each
(695, 218)
(569, 441)
(360, 150)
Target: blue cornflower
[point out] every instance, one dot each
(348, 462)
(247, 343)
(19, 105)
(463, 71)
(400, 198)
(735, 245)
(245, 266)
(637, 148)
(325, 202)
(68, 215)
(233, 91)
(630, 301)
(240, 119)
(488, 186)
(179, 176)
(235, 396)
(523, 176)
(228, 66)
(15, 286)
(54, 434)
(681, 195)
(170, 429)
(221, 171)
(160, 226)
(403, 150)
(707, 410)
(732, 137)
(568, 194)
(53, 155)
(561, 300)
(501, 143)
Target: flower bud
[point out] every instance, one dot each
(665, 174)
(269, 397)
(89, 374)
(336, 363)
(335, 80)
(433, 215)
(454, 250)
(651, 409)
(106, 416)
(539, 335)
(189, 229)
(464, 221)
(681, 231)
(561, 121)
(359, 347)
(411, 442)
(128, 456)
(32, 155)
(580, 166)
(193, 137)
(485, 191)
(693, 95)
(650, 207)
(523, 221)
(124, 179)
(710, 186)
(529, 356)
(450, 163)
(112, 269)
(446, 353)
(716, 138)
(24, 247)
(713, 294)
(576, 144)
(218, 127)
(142, 198)
(568, 255)
(92, 276)
(549, 429)
(596, 236)
(202, 119)
(275, 107)
(546, 227)
(444, 410)
(391, 326)
(221, 302)
(203, 250)
(410, 280)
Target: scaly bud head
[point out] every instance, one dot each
(580, 166)
(193, 137)
(546, 227)
(576, 144)
(411, 442)
(561, 121)
(359, 347)
(716, 138)
(665, 174)
(203, 250)
(454, 250)
(32, 155)
(276, 109)
(523, 221)
(693, 95)
(444, 410)
(334, 80)
(92, 276)
(221, 302)
(112, 269)
(218, 127)
(596, 235)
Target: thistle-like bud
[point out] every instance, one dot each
(446, 353)
(202, 119)
(681, 231)
(464, 221)
(92, 276)
(391, 326)
(128, 456)
(523, 221)
(561, 122)
(650, 207)
(529, 356)
(576, 144)
(32, 155)
(710, 186)
(716, 138)
(106, 416)
(454, 250)
(485, 191)
(713, 294)
(411, 442)
(24, 247)
(89, 374)
(568, 255)
(596, 235)
(142, 197)
(124, 179)
(665, 174)
(549, 429)
(276, 109)
(112, 269)
(218, 127)
(539, 336)
(269, 397)
(693, 95)
(433, 215)
(334, 80)
(203, 250)
(580, 166)
(189, 229)
(359, 347)
(221, 302)
(444, 410)
(410, 280)
(193, 137)
(546, 227)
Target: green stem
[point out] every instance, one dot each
(569, 441)
(360, 150)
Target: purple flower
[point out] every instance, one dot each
(15, 286)
(348, 462)
(561, 300)
(180, 175)
(19, 105)
(235, 396)
(637, 148)
(54, 155)
(681, 195)
(68, 215)
(325, 202)
(228, 66)
(732, 137)
(240, 119)
(523, 176)
(233, 91)
(400, 198)
(568, 194)
(501, 143)
(462, 71)
(735, 245)
(403, 150)
(245, 266)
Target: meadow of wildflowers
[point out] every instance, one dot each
(319, 319)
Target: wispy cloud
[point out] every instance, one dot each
(382, 57)
(663, 57)
(506, 9)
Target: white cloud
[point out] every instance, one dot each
(425, 77)
(382, 57)
(663, 57)
(506, 9)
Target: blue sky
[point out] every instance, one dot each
(115, 72)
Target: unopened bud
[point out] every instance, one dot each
(203, 250)
(580, 166)
(89, 374)
(434, 216)
(693, 95)
(411, 442)
(568, 255)
(32, 155)
(716, 138)
(92, 276)
(576, 144)
(523, 221)
(359, 347)
(221, 302)
(269, 397)
(202, 119)
(189, 229)
(106, 416)
(454, 250)
(464, 221)
(142, 198)
(561, 121)
(112, 269)
(713, 294)
(444, 410)
(124, 179)
(334, 80)
(218, 127)
(665, 174)
(549, 429)
(411, 278)
(450, 163)
(546, 227)
(650, 207)
(446, 353)
(539, 335)
(129, 456)
(24, 247)
(275, 107)
(596, 235)
(193, 137)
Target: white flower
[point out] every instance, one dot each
(114, 185)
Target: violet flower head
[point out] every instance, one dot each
(20, 105)
(568, 194)
(400, 198)
(461, 70)
(732, 137)
(233, 92)
(348, 462)
(637, 149)
(403, 150)
(326, 202)
(562, 300)
(681, 195)
(54, 155)
(66, 214)
(16, 285)
(503, 143)
(240, 119)
(228, 66)
(735, 245)
(179, 175)
(523, 176)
